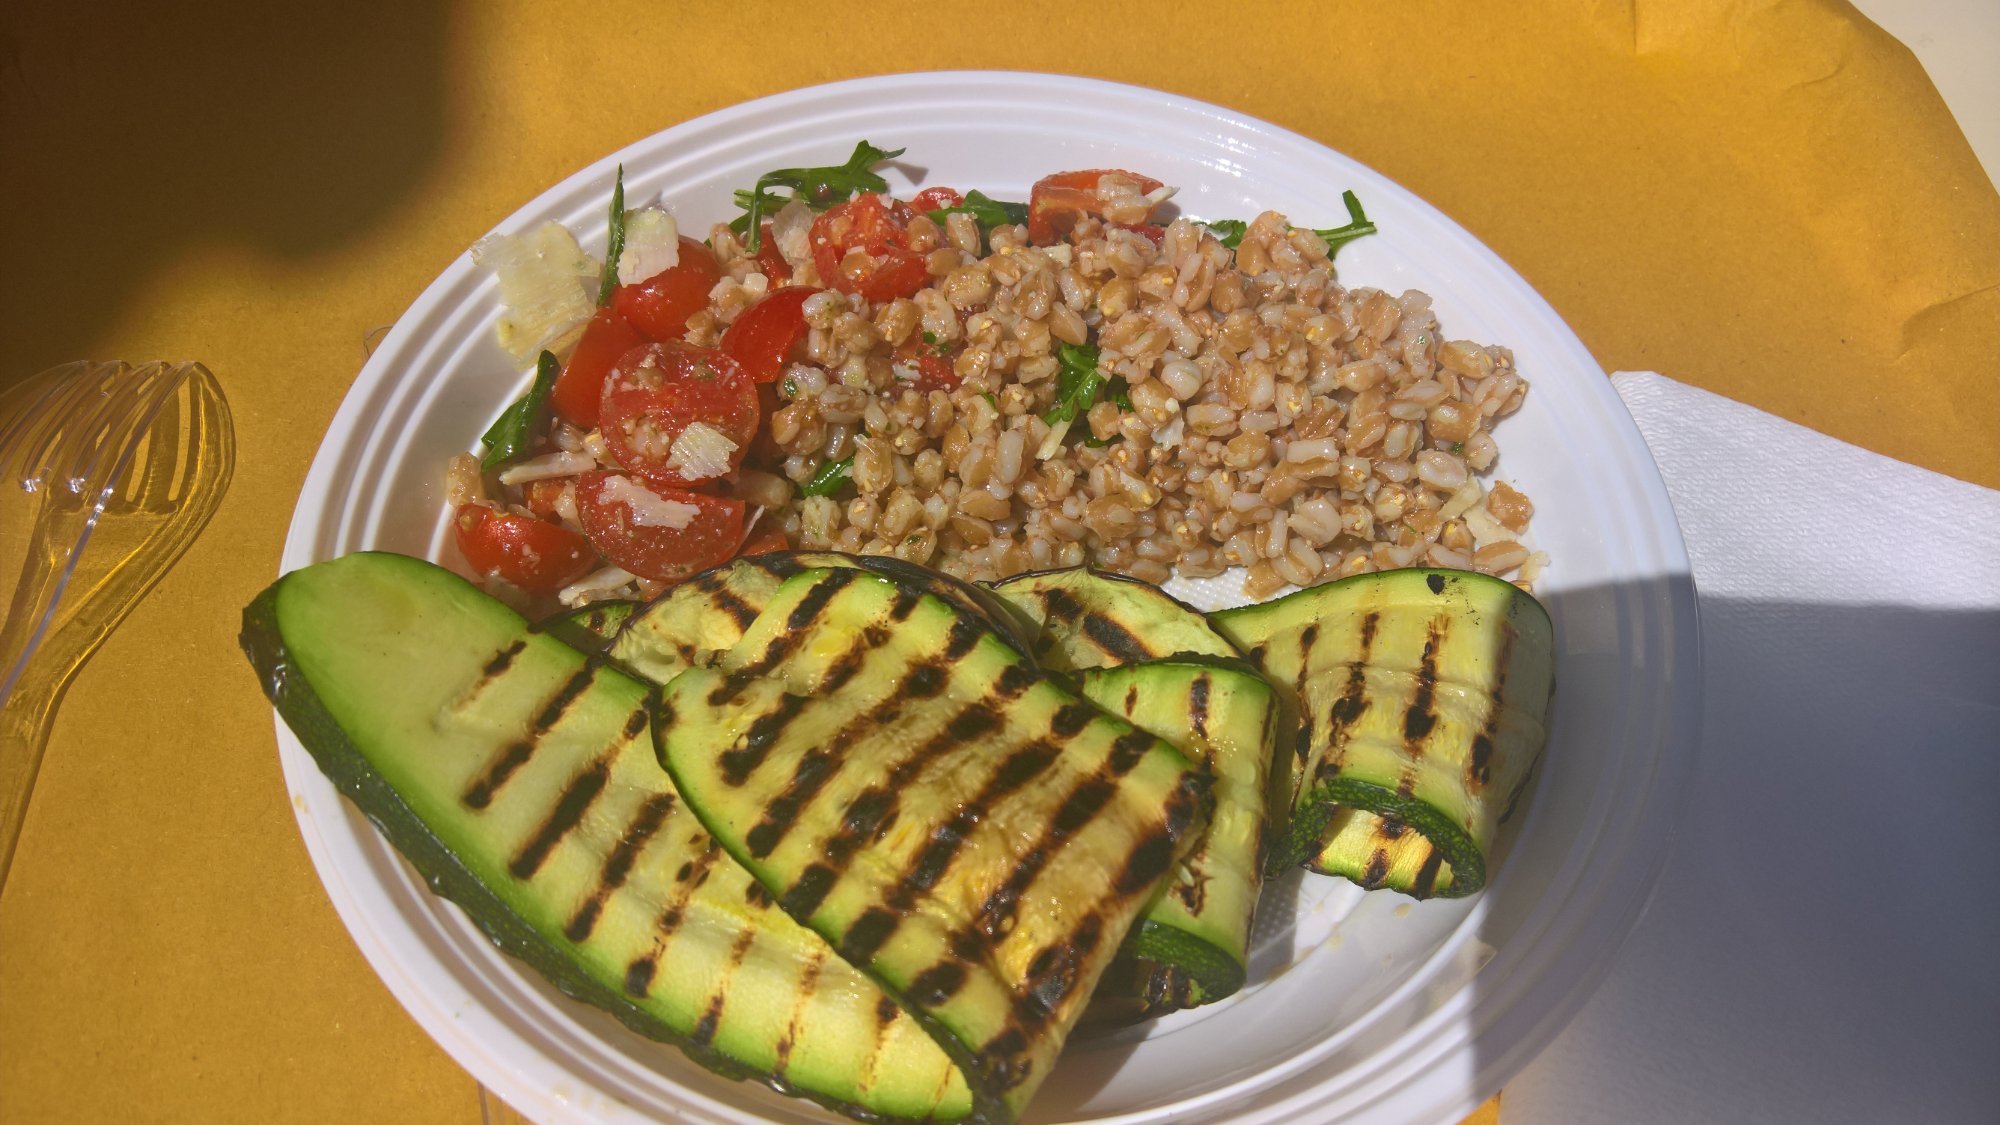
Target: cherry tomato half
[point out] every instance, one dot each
(765, 542)
(579, 390)
(1057, 202)
(935, 371)
(936, 199)
(764, 334)
(770, 262)
(664, 534)
(656, 391)
(660, 306)
(544, 497)
(538, 556)
(862, 246)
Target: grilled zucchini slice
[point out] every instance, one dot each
(1192, 946)
(589, 629)
(520, 780)
(1089, 619)
(710, 612)
(1423, 696)
(972, 835)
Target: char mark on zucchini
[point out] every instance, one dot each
(568, 813)
(618, 865)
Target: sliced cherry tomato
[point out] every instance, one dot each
(656, 391)
(935, 371)
(770, 262)
(664, 534)
(764, 334)
(538, 556)
(580, 388)
(765, 542)
(542, 497)
(936, 199)
(1056, 202)
(862, 246)
(660, 306)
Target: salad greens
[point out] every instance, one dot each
(819, 188)
(986, 211)
(830, 477)
(1079, 381)
(615, 248)
(513, 432)
(1359, 225)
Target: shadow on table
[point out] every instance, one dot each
(134, 131)
(1820, 946)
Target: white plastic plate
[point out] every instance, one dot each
(1361, 1007)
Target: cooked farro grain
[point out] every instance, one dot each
(1270, 418)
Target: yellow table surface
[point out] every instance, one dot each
(1764, 199)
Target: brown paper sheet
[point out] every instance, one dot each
(1765, 199)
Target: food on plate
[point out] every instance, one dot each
(1192, 947)
(1423, 701)
(821, 821)
(1093, 620)
(520, 780)
(969, 832)
(992, 387)
(866, 758)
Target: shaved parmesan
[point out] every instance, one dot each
(547, 288)
(596, 585)
(652, 245)
(701, 451)
(790, 229)
(548, 466)
(649, 508)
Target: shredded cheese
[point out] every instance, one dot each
(649, 508)
(701, 451)
(547, 288)
(652, 245)
(559, 464)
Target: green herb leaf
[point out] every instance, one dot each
(1117, 391)
(615, 247)
(992, 399)
(820, 188)
(1077, 380)
(1230, 231)
(985, 211)
(513, 433)
(831, 476)
(1358, 225)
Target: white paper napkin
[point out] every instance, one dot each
(1824, 942)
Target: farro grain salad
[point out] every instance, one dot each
(986, 387)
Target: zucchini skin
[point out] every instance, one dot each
(1442, 742)
(447, 876)
(450, 876)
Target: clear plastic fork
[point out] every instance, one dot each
(127, 462)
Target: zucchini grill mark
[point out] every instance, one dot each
(931, 699)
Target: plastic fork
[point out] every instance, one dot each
(127, 462)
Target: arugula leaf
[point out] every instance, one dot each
(1077, 380)
(985, 211)
(1231, 230)
(513, 432)
(615, 248)
(820, 188)
(1359, 225)
(831, 476)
